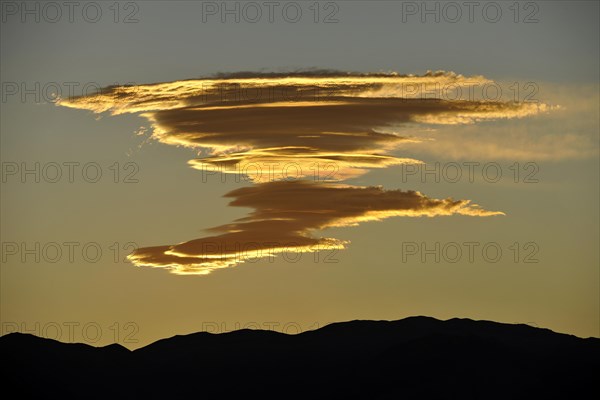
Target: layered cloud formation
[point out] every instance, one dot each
(285, 213)
(310, 120)
(303, 122)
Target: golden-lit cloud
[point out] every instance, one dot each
(255, 88)
(281, 130)
(296, 124)
(285, 215)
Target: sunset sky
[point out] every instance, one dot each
(363, 162)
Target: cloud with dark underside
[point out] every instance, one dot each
(302, 122)
(285, 215)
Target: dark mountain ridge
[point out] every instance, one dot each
(417, 357)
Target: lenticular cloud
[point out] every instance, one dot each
(292, 125)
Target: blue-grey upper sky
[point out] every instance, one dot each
(555, 40)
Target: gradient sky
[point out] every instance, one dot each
(554, 61)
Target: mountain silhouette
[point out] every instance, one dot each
(412, 358)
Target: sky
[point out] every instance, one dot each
(173, 167)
